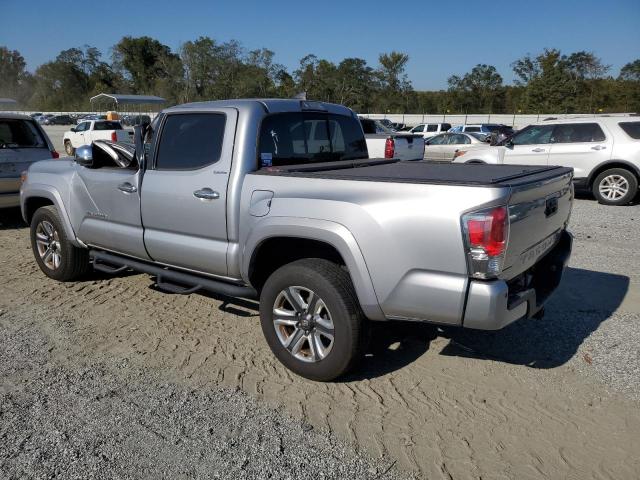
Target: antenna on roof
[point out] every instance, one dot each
(300, 96)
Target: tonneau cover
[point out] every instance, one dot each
(423, 172)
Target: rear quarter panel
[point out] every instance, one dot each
(409, 234)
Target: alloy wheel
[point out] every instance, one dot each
(303, 324)
(613, 187)
(48, 245)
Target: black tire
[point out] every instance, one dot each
(73, 261)
(69, 148)
(333, 286)
(622, 177)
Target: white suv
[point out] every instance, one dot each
(428, 130)
(604, 153)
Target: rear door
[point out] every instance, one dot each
(530, 146)
(184, 192)
(456, 142)
(580, 146)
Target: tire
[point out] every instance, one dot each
(54, 253)
(616, 186)
(312, 353)
(69, 148)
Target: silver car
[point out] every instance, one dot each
(22, 142)
(447, 146)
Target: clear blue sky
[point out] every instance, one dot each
(441, 38)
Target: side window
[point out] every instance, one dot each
(577, 133)
(460, 140)
(533, 135)
(82, 127)
(439, 140)
(472, 129)
(432, 127)
(190, 141)
(418, 129)
(631, 128)
(368, 126)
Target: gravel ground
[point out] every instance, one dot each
(126, 423)
(110, 366)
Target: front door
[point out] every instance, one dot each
(184, 192)
(529, 146)
(434, 147)
(108, 204)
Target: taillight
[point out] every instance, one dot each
(54, 154)
(486, 234)
(389, 148)
(114, 136)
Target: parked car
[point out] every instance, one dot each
(604, 153)
(241, 198)
(43, 118)
(447, 146)
(22, 142)
(59, 120)
(428, 130)
(385, 143)
(35, 115)
(89, 117)
(131, 120)
(486, 128)
(88, 131)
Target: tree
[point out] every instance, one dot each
(479, 89)
(14, 78)
(631, 71)
(395, 88)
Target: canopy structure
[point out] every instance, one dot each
(120, 99)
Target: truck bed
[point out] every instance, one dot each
(423, 172)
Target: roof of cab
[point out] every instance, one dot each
(269, 105)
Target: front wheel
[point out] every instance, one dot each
(55, 255)
(616, 186)
(311, 319)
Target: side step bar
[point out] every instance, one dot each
(170, 281)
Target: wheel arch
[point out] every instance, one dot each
(39, 196)
(612, 164)
(279, 240)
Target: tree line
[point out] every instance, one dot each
(205, 69)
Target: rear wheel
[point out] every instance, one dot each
(55, 255)
(69, 148)
(616, 186)
(311, 319)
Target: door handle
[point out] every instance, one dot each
(598, 147)
(126, 187)
(538, 150)
(206, 194)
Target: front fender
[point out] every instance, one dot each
(49, 192)
(334, 234)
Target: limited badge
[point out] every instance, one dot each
(266, 159)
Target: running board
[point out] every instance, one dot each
(171, 281)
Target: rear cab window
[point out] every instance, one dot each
(432, 127)
(18, 133)
(107, 126)
(297, 138)
(631, 128)
(190, 141)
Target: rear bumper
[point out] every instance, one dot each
(495, 304)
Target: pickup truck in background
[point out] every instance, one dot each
(382, 142)
(88, 131)
(278, 200)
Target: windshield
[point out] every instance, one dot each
(309, 137)
(15, 133)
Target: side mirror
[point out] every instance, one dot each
(427, 142)
(84, 156)
(72, 129)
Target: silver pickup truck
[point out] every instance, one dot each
(238, 198)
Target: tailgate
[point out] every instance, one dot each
(538, 212)
(408, 147)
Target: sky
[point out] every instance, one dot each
(441, 38)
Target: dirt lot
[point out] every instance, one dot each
(556, 398)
